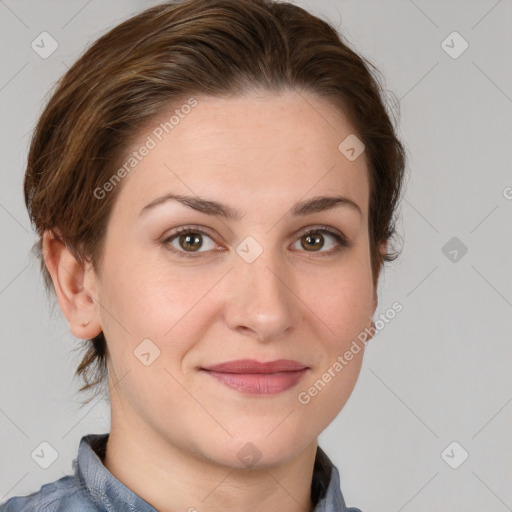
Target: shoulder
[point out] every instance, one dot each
(60, 496)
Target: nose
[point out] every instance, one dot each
(262, 300)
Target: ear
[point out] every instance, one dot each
(69, 277)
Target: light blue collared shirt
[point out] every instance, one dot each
(94, 489)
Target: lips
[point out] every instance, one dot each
(256, 378)
(253, 366)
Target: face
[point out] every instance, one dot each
(265, 285)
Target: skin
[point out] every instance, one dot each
(175, 430)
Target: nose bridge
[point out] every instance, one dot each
(261, 299)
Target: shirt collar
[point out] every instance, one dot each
(111, 494)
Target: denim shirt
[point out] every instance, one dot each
(94, 489)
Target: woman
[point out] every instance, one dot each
(214, 184)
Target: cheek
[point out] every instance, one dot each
(348, 310)
(150, 326)
(342, 307)
(153, 300)
(321, 398)
(341, 298)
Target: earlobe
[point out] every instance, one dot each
(68, 276)
(383, 247)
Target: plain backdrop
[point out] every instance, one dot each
(438, 374)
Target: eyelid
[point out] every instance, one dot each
(342, 241)
(322, 228)
(168, 237)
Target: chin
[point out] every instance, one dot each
(256, 451)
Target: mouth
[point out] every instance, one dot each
(255, 378)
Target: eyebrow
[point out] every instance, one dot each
(210, 207)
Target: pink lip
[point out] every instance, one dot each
(253, 366)
(252, 377)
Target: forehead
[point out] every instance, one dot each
(270, 149)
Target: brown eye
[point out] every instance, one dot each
(187, 241)
(312, 241)
(190, 241)
(315, 239)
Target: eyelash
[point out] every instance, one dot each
(342, 242)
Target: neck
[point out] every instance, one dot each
(170, 478)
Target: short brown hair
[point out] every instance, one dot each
(162, 56)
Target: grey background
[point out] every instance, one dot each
(439, 372)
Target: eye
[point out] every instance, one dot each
(186, 241)
(314, 239)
